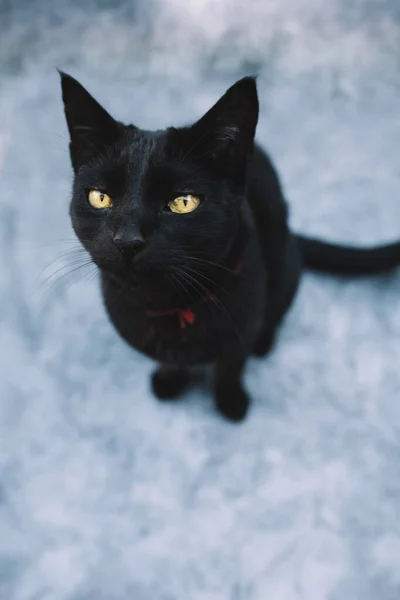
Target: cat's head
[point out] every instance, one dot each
(150, 204)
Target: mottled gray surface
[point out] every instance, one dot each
(104, 493)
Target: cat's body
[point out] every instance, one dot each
(210, 285)
(234, 317)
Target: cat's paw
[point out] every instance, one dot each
(264, 343)
(232, 401)
(169, 383)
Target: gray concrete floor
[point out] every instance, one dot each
(105, 494)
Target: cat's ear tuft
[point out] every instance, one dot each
(90, 126)
(229, 126)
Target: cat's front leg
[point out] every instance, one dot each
(169, 381)
(230, 397)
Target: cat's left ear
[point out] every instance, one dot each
(90, 126)
(228, 128)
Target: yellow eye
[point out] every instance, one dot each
(184, 204)
(99, 200)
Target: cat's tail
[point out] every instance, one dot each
(346, 260)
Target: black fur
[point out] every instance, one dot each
(232, 262)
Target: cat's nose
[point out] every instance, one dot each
(128, 244)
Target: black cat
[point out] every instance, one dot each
(189, 229)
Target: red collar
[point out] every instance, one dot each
(186, 315)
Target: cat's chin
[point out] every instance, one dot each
(132, 279)
(128, 281)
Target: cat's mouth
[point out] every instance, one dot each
(122, 280)
(131, 276)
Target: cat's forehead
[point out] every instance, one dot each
(140, 144)
(131, 156)
(142, 161)
(141, 152)
(148, 148)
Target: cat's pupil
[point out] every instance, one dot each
(101, 197)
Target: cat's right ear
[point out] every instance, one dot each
(226, 132)
(91, 127)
